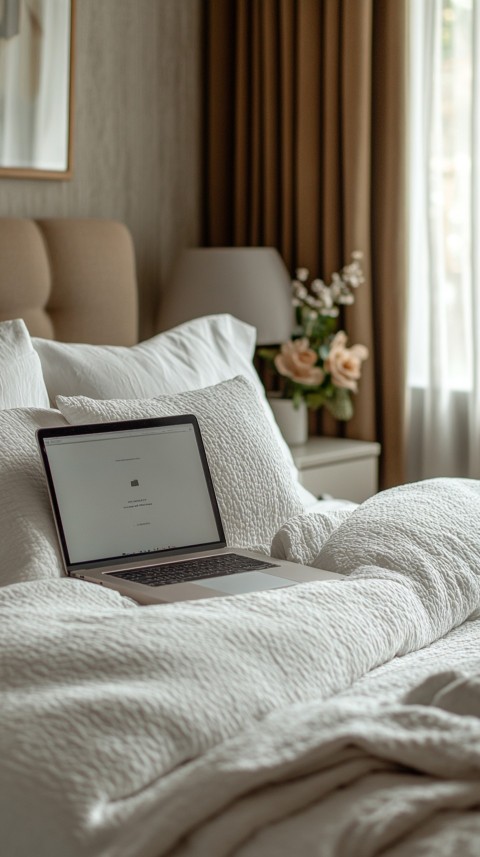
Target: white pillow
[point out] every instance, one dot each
(29, 547)
(254, 487)
(196, 354)
(21, 379)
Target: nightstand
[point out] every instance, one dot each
(345, 469)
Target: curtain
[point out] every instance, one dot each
(304, 150)
(443, 404)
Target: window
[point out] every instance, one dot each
(444, 270)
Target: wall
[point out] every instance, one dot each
(136, 154)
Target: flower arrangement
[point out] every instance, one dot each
(316, 365)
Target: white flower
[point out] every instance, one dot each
(317, 286)
(299, 290)
(354, 281)
(302, 274)
(352, 273)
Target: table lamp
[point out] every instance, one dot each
(250, 283)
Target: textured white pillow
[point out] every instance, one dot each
(255, 490)
(29, 547)
(21, 379)
(196, 354)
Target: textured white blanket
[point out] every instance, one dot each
(340, 779)
(425, 536)
(125, 729)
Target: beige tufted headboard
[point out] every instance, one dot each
(70, 279)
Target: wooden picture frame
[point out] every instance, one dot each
(41, 167)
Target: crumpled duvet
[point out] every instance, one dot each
(346, 779)
(227, 726)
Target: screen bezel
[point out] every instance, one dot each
(118, 426)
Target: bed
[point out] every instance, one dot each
(329, 719)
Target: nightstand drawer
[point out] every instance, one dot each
(345, 469)
(349, 480)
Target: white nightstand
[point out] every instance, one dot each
(345, 469)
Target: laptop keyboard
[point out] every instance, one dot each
(193, 569)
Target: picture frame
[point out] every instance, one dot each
(37, 53)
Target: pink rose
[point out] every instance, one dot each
(344, 364)
(297, 361)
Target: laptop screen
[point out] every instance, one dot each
(142, 487)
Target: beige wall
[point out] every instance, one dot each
(136, 155)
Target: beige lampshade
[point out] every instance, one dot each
(251, 283)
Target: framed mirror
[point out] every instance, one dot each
(36, 88)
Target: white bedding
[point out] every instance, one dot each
(253, 483)
(21, 378)
(233, 722)
(194, 355)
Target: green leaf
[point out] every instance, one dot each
(315, 400)
(268, 353)
(340, 405)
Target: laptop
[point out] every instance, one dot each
(135, 510)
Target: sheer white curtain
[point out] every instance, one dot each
(444, 271)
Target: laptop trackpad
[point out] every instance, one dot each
(245, 581)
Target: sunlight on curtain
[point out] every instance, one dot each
(444, 271)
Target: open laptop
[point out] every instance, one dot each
(135, 510)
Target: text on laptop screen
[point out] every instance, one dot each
(123, 493)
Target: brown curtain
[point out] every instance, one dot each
(304, 150)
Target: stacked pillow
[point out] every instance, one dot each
(193, 355)
(253, 484)
(27, 533)
(188, 369)
(21, 378)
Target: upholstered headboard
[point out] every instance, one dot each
(70, 279)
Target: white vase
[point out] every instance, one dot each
(292, 422)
